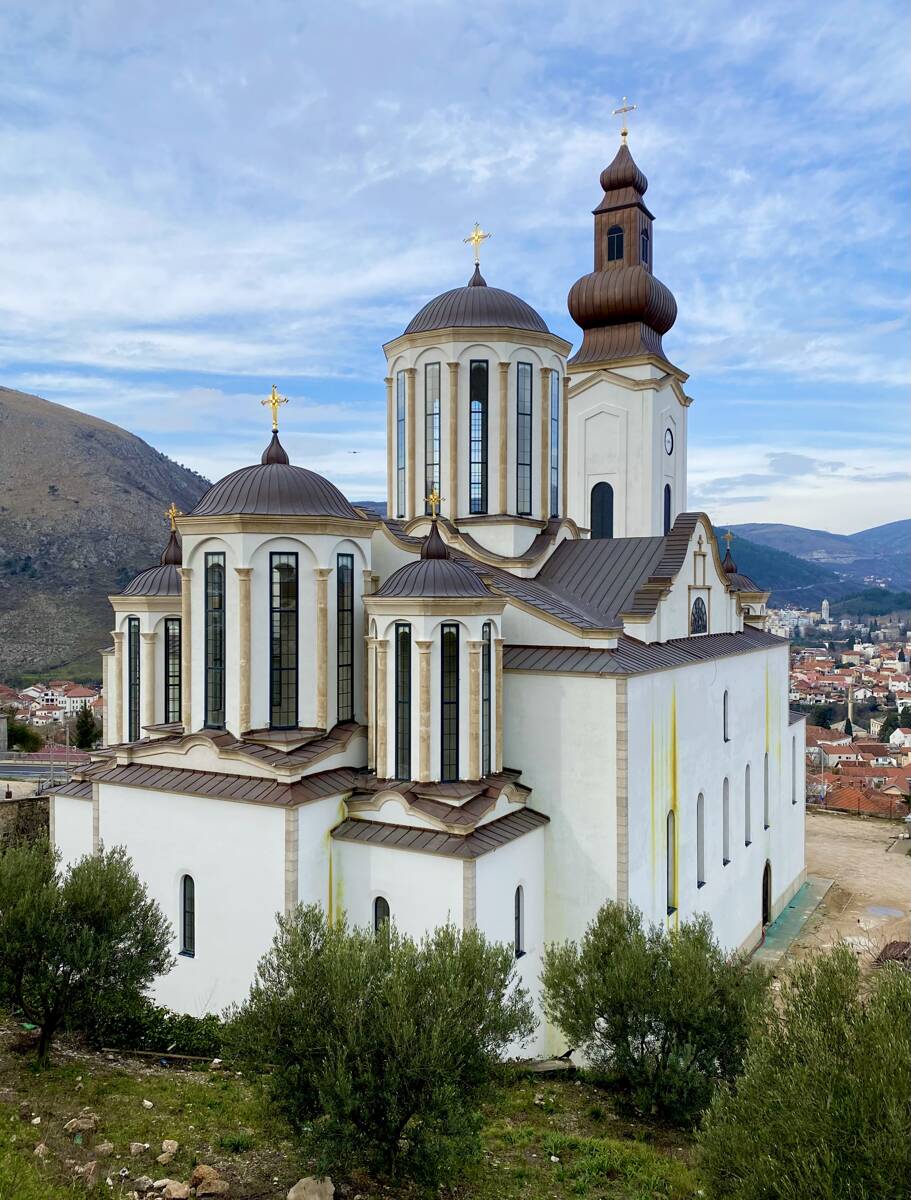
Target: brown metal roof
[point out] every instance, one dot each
(80, 789)
(476, 306)
(275, 488)
(227, 787)
(603, 572)
(155, 581)
(433, 577)
(483, 840)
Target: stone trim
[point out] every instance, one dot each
(370, 684)
(147, 677)
(186, 647)
(322, 645)
(544, 387)
(411, 433)
(292, 837)
(96, 818)
(504, 436)
(117, 724)
(469, 894)
(382, 652)
(498, 700)
(390, 444)
(243, 622)
(453, 500)
(424, 712)
(475, 333)
(621, 724)
(474, 709)
(564, 464)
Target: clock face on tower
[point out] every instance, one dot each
(669, 441)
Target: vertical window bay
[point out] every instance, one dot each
(215, 640)
(449, 765)
(523, 439)
(486, 681)
(172, 699)
(345, 635)
(284, 651)
(402, 701)
(400, 444)
(133, 679)
(477, 456)
(554, 443)
(431, 430)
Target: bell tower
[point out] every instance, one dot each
(627, 407)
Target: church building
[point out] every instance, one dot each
(535, 685)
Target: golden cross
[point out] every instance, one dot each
(172, 514)
(274, 402)
(477, 236)
(434, 501)
(729, 537)
(621, 112)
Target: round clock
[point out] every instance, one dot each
(669, 441)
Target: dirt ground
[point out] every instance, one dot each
(869, 902)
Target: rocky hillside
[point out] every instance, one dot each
(81, 511)
(882, 553)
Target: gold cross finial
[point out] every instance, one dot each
(434, 501)
(172, 514)
(621, 112)
(477, 236)
(274, 401)
(729, 537)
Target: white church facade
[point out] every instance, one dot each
(535, 685)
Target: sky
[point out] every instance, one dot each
(198, 200)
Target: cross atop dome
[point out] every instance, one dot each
(621, 112)
(274, 401)
(475, 238)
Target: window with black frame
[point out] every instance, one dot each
(402, 701)
(283, 653)
(523, 438)
(172, 699)
(133, 679)
(187, 916)
(400, 444)
(486, 687)
(555, 443)
(431, 430)
(344, 569)
(477, 448)
(215, 640)
(614, 244)
(449, 674)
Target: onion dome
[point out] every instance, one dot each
(477, 306)
(739, 583)
(621, 307)
(163, 580)
(435, 574)
(274, 487)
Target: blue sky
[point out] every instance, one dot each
(197, 200)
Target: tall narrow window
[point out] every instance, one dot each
(614, 244)
(215, 641)
(172, 670)
(602, 514)
(486, 681)
(700, 840)
(402, 701)
(283, 654)
(555, 443)
(400, 444)
(344, 569)
(668, 514)
(477, 448)
(766, 821)
(793, 770)
(724, 718)
(643, 247)
(519, 921)
(747, 807)
(725, 823)
(699, 617)
(523, 439)
(449, 765)
(380, 913)
(671, 864)
(431, 430)
(133, 679)
(187, 916)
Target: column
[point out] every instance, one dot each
(564, 466)
(504, 434)
(322, 646)
(370, 685)
(147, 677)
(474, 710)
(498, 704)
(107, 688)
(390, 449)
(116, 710)
(382, 765)
(243, 630)
(424, 649)
(411, 431)
(186, 652)
(545, 442)
(453, 507)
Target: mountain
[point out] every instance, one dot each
(81, 511)
(882, 553)
(791, 580)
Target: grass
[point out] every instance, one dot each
(543, 1139)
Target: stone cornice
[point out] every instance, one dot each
(444, 338)
(347, 527)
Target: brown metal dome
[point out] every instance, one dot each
(476, 306)
(163, 580)
(435, 574)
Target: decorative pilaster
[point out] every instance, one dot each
(382, 651)
(390, 449)
(498, 703)
(322, 646)
(453, 497)
(545, 442)
(147, 677)
(411, 435)
(564, 465)
(107, 687)
(186, 647)
(292, 838)
(370, 676)
(474, 709)
(244, 664)
(504, 434)
(621, 726)
(469, 894)
(424, 649)
(116, 736)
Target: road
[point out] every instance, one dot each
(32, 770)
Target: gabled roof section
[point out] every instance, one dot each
(604, 574)
(481, 841)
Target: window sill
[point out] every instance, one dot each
(186, 953)
(725, 862)
(520, 954)
(700, 883)
(671, 911)
(766, 828)
(747, 843)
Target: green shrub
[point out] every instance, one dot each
(382, 1046)
(661, 1015)
(137, 1023)
(823, 1107)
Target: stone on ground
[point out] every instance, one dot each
(202, 1172)
(137, 1148)
(173, 1190)
(312, 1188)
(104, 1149)
(213, 1187)
(142, 1185)
(169, 1146)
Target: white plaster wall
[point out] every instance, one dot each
(315, 821)
(72, 825)
(235, 853)
(423, 890)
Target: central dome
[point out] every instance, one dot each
(477, 306)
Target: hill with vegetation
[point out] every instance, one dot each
(883, 552)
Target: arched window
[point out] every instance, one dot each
(519, 921)
(486, 689)
(380, 913)
(668, 515)
(746, 806)
(172, 657)
(133, 679)
(402, 700)
(793, 770)
(283, 651)
(765, 792)
(215, 641)
(643, 247)
(699, 618)
(449, 706)
(602, 514)
(671, 865)
(727, 736)
(477, 439)
(700, 840)
(614, 244)
(187, 916)
(725, 823)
